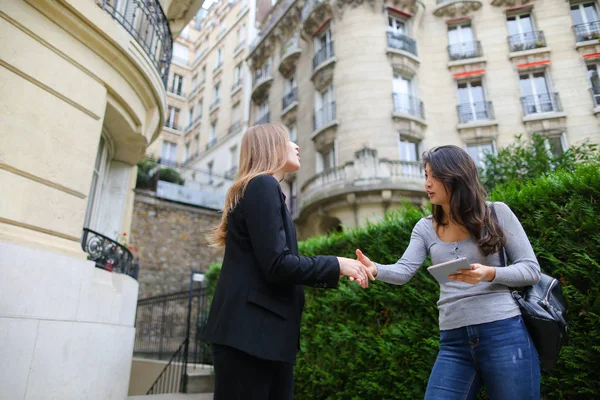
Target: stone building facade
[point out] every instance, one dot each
(171, 241)
(366, 87)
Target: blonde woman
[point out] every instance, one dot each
(254, 320)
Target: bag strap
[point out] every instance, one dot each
(501, 252)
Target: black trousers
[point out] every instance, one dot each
(240, 376)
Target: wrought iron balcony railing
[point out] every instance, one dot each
(589, 31)
(235, 127)
(406, 104)
(262, 73)
(231, 172)
(308, 7)
(595, 90)
(476, 111)
(325, 115)
(147, 23)
(211, 143)
(265, 119)
(173, 125)
(465, 50)
(176, 91)
(291, 45)
(237, 85)
(527, 41)
(401, 42)
(108, 254)
(289, 98)
(218, 67)
(214, 105)
(324, 54)
(541, 103)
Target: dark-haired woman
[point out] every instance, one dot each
(483, 340)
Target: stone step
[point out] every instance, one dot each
(174, 396)
(200, 380)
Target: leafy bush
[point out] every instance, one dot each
(147, 174)
(528, 159)
(381, 343)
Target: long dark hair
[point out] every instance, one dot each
(457, 171)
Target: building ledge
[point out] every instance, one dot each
(323, 65)
(587, 43)
(477, 124)
(543, 116)
(236, 89)
(410, 117)
(466, 61)
(325, 127)
(391, 50)
(596, 109)
(289, 108)
(525, 53)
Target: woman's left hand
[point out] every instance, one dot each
(476, 274)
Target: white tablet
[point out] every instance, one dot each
(441, 271)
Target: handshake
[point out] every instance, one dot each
(360, 270)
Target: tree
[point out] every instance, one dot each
(524, 160)
(148, 172)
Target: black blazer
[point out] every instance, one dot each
(259, 296)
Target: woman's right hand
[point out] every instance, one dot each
(371, 266)
(355, 270)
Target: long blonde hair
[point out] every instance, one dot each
(264, 151)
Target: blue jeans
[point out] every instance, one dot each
(499, 355)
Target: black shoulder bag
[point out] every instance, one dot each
(543, 307)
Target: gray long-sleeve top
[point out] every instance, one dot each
(462, 304)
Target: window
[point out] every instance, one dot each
(584, 13)
(213, 132)
(594, 77)
(237, 75)
(173, 118)
(236, 114)
(478, 151)
(98, 182)
(191, 116)
(177, 86)
(186, 155)
(262, 112)
(197, 140)
(323, 40)
(180, 53)
(217, 95)
(219, 57)
(204, 74)
(396, 26)
(290, 84)
(233, 157)
(556, 144)
(405, 101)
(185, 32)
(168, 153)
(408, 151)
(195, 81)
(293, 196)
(521, 32)
(327, 159)
(241, 35)
(293, 133)
(461, 42)
(324, 107)
(471, 102)
(210, 167)
(200, 107)
(536, 96)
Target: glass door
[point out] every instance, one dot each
(536, 96)
(471, 100)
(521, 32)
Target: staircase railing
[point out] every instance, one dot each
(173, 378)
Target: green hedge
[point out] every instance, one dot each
(381, 343)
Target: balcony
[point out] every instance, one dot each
(466, 50)
(408, 105)
(289, 101)
(290, 53)
(214, 106)
(401, 42)
(211, 143)
(323, 63)
(173, 125)
(218, 68)
(236, 86)
(262, 82)
(147, 23)
(238, 48)
(595, 91)
(235, 128)
(366, 174)
(231, 173)
(527, 41)
(176, 91)
(541, 103)
(108, 254)
(456, 8)
(265, 119)
(193, 123)
(314, 14)
(324, 117)
(477, 111)
(586, 32)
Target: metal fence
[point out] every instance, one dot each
(162, 326)
(401, 42)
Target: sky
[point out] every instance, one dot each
(207, 3)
